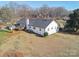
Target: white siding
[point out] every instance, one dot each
(52, 28)
(37, 30)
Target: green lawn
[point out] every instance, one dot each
(3, 35)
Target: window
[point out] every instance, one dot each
(48, 29)
(40, 29)
(52, 28)
(55, 27)
(29, 26)
(33, 27)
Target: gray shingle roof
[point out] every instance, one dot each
(43, 23)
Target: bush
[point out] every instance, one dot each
(60, 29)
(30, 31)
(45, 34)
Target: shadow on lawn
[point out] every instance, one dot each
(31, 32)
(72, 33)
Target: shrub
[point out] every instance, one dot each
(45, 34)
(30, 31)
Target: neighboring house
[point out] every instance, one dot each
(40, 26)
(11, 27)
(20, 25)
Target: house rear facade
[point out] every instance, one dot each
(40, 26)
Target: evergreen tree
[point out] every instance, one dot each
(73, 23)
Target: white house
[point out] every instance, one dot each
(40, 26)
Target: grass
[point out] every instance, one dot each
(3, 35)
(59, 44)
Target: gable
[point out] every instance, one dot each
(52, 24)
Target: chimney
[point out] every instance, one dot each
(27, 23)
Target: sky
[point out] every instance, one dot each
(70, 5)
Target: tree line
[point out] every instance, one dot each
(16, 10)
